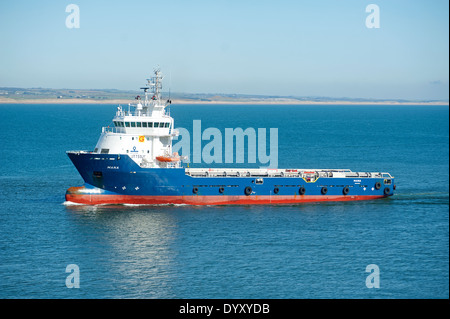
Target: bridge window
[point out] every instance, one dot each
(127, 124)
(138, 124)
(144, 124)
(167, 124)
(150, 124)
(156, 124)
(133, 124)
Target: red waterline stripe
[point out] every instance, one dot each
(95, 199)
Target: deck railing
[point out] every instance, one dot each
(267, 172)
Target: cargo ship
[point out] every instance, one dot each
(133, 163)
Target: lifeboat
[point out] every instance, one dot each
(169, 158)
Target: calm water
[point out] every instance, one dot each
(303, 251)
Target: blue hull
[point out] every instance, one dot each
(118, 179)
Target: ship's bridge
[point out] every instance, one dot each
(143, 130)
(137, 122)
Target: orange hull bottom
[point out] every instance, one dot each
(96, 199)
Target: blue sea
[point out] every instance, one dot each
(302, 251)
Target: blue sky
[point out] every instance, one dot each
(300, 48)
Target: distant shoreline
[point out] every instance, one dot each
(218, 102)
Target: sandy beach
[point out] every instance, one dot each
(279, 101)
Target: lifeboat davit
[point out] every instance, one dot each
(167, 158)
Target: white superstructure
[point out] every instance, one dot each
(143, 130)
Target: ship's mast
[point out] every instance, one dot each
(156, 83)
